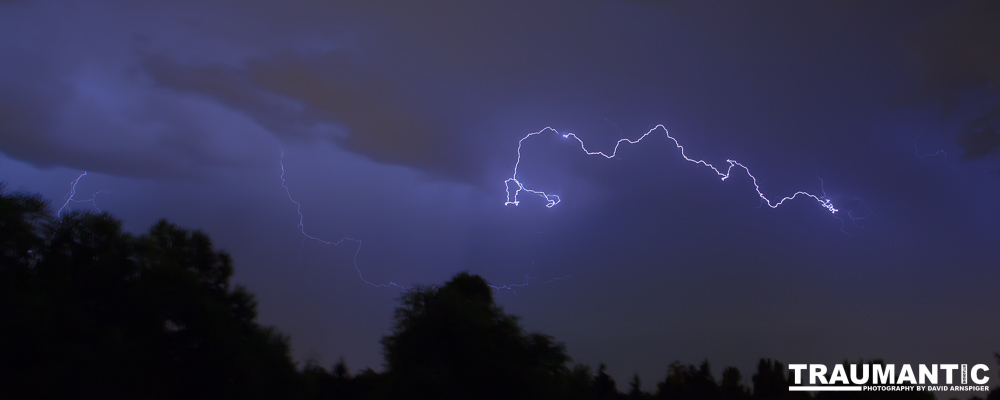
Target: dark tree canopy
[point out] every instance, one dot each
(91, 311)
(455, 342)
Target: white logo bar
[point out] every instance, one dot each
(824, 388)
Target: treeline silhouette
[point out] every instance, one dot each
(88, 310)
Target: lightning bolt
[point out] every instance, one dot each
(527, 280)
(941, 152)
(302, 229)
(71, 196)
(925, 155)
(935, 154)
(552, 200)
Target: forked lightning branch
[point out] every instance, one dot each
(887, 377)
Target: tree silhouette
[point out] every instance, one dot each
(635, 389)
(580, 384)
(732, 385)
(91, 311)
(770, 382)
(604, 384)
(688, 382)
(995, 393)
(455, 342)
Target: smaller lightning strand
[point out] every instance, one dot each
(552, 200)
(917, 152)
(938, 153)
(527, 280)
(302, 229)
(935, 154)
(72, 192)
(301, 225)
(850, 213)
(71, 196)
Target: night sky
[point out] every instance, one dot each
(399, 122)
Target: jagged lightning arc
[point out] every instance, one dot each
(925, 155)
(302, 229)
(551, 199)
(527, 280)
(921, 155)
(71, 196)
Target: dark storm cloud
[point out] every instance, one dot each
(402, 84)
(961, 58)
(981, 139)
(425, 93)
(979, 143)
(327, 97)
(50, 123)
(414, 95)
(26, 105)
(70, 96)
